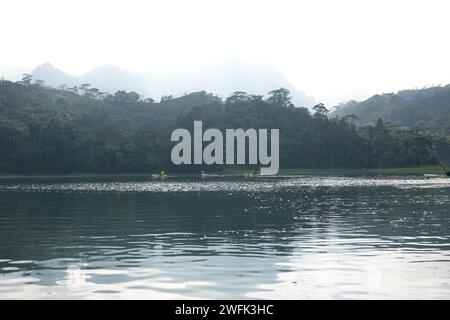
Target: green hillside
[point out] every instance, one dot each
(47, 130)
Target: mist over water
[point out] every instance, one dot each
(283, 237)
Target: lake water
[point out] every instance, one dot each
(223, 237)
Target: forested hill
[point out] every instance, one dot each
(80, 129)
(427, 109)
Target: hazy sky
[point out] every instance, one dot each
(332, 50)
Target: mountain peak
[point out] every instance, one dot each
(44, 66)
(52, 76)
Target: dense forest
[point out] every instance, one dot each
(81, 129)
(427, 109)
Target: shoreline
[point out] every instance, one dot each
(420, 170)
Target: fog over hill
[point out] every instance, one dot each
(219, 78)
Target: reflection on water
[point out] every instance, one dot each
(284, 237)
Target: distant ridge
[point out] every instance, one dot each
(427, 109)
(221, 78)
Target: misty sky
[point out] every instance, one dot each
(331, 50)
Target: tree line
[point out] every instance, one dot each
(69, 130)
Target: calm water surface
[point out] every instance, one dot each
(224, 237)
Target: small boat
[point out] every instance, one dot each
(432, 175)
(249, 175)
(161, 175)
(254, 174)
(205, 175)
